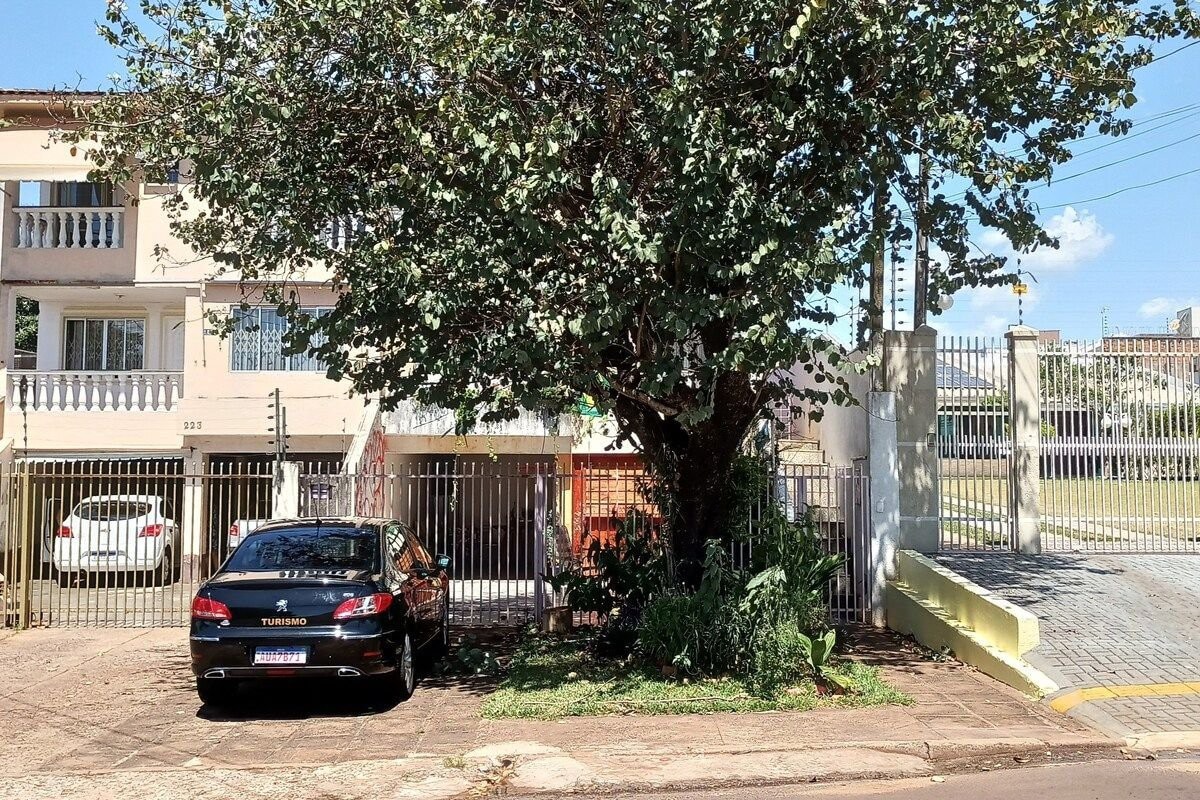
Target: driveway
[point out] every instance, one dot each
(1124, 622)
(91, 713)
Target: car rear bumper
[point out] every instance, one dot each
(326, 656)
(114, 561)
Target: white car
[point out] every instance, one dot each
(116, 533)
(241, 528)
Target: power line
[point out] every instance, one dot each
(1122, 191)
(1180, 49)
(1122, 139)
(1171, 112)
(1123, 160)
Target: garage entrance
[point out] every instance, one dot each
(506, 524)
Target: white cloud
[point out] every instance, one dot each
(1081, 238)
(1164, 306)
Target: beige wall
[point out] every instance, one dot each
(222, 402)
(94, 431)
(842, 430)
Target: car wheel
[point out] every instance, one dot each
(403, 680)
(444, 642)
(215, 692)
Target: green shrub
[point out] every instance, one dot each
(779, 658)
(624, 578)
(700, 632)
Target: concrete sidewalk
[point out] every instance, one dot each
(101, 713)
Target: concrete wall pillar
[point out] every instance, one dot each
(192, 518)
(50, 336)
(910, 373)
(1025, 425)
(8, 329)
(285, 491)
(885, 498)
(152, 338)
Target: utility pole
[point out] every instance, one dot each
(921, 288)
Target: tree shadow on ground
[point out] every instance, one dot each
(300, 698)
(1026, 580)
(883, 647)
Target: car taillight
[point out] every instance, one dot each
(363, 606)
(234, 530)
(64, 532)
(152, 530)
(207, 608)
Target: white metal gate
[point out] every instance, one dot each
(504, 526)
(1120, 445)
(975, 454)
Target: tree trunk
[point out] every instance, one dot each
(694, 467)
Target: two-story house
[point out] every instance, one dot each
(131, 390)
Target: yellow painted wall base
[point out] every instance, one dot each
(998, 622)
(934, 627)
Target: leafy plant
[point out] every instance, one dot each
(623, 577)
(818, 653)
(794, 572)
(784, 655)
(697, 632)
(474, 660)
(778, 658)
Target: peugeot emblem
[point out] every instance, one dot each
(281, 606)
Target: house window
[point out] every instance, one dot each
(97, 345)
(258, 342)
(67, 194)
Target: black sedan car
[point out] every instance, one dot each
(344, 598)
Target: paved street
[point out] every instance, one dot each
(1155, 780)
(1108, 620)
(101, 713)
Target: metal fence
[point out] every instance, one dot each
(838, 501)
(67, 529)
(1120, 445)
(974, 449)
(118, 543)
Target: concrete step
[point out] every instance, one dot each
(799, 444)
(802, 458)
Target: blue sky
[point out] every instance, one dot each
(1137, 253)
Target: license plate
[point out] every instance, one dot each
(280, 655)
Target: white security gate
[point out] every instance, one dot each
(975, 454)
(1120, 445)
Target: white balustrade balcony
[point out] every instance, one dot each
(48, 228)
(94, 391)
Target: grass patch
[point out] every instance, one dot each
(551, 678)
(1076, 506)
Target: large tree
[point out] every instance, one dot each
(647, 201)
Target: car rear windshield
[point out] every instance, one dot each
(111, 510)
(307, 548)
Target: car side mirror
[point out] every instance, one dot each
(443, 563)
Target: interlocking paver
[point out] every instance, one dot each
(1107, 620)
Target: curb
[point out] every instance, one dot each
(548, 773)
